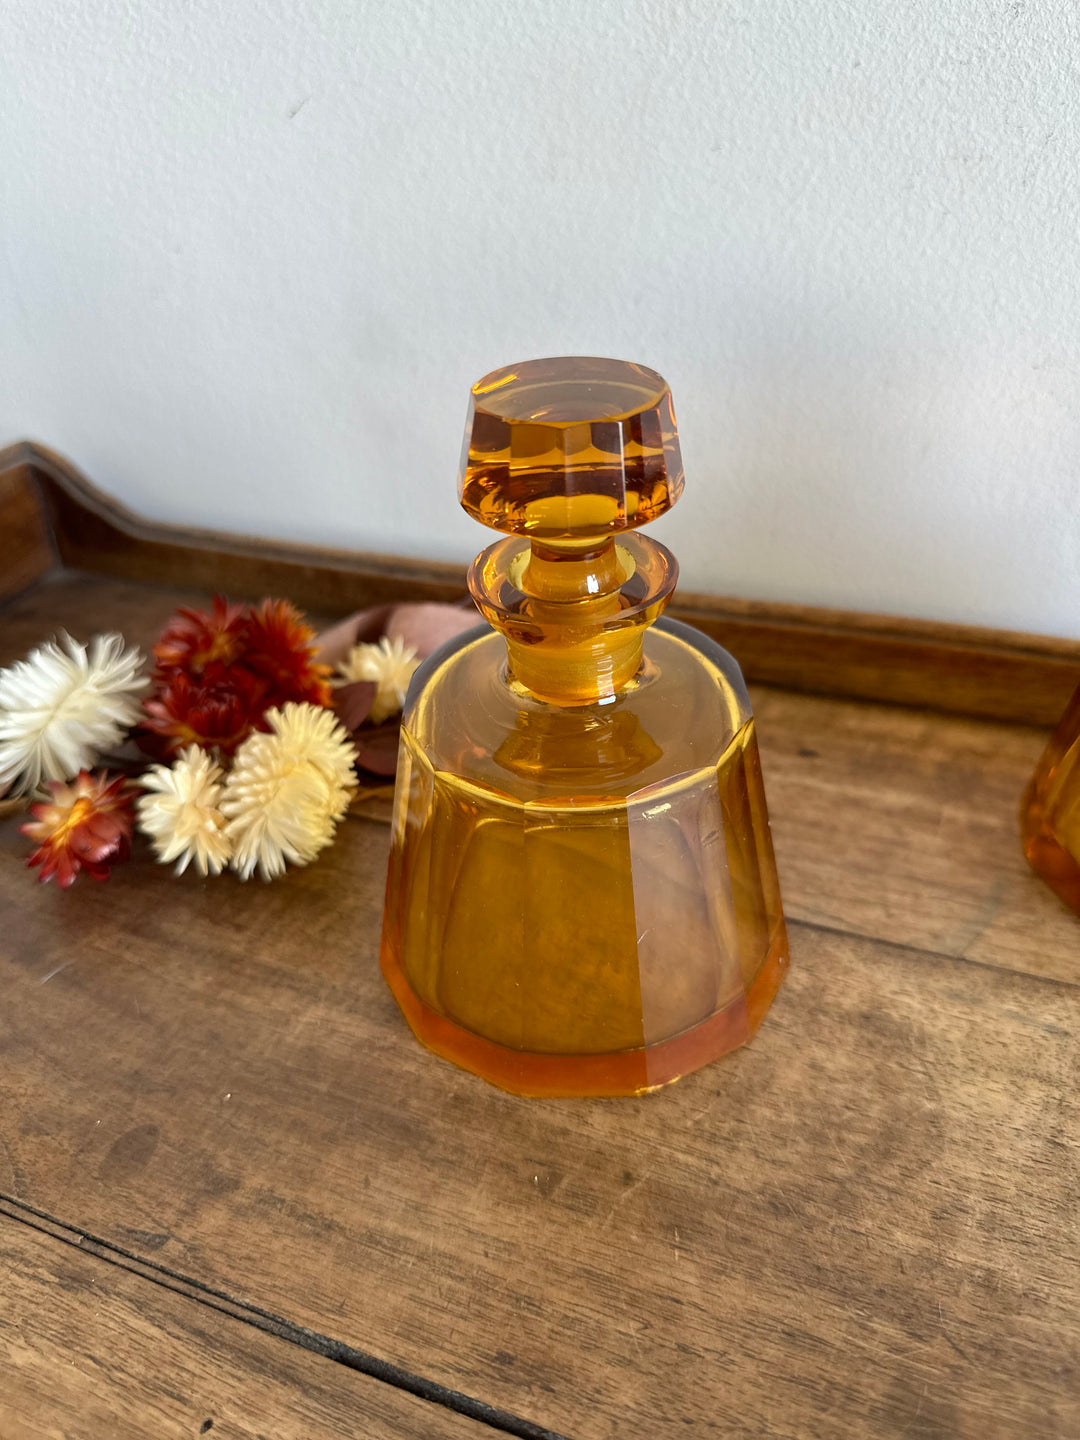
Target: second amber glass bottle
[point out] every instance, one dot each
(1050, 814)
(582, 896)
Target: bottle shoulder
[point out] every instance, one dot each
(678, 716)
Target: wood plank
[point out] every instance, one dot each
(966, 670)
(905, 826)
(92, 531)
(956, 668)
(26, 551)
(93, 1351)
(864, 1223)
(86, 604)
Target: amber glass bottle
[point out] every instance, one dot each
(582, 896)
(1050, 814)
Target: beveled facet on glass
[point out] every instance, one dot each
(1050, 815)
(569, 448)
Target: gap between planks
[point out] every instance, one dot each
(353, 1359)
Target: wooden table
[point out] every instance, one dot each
(238, 1197)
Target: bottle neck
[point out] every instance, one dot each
(573, 616)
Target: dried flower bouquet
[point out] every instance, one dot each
(263, 734)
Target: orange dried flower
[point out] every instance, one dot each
(218, 672)
(86, 826)
(281, 650)
(193, 640)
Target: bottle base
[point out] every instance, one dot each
(1046, 855)
(629, 1072)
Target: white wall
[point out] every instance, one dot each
(254, 252)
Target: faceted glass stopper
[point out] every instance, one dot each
(570, 450)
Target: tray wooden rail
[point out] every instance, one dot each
(236, 1190)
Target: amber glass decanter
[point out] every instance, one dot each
(582, 896)
(1050, 815)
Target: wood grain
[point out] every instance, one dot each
(86, 604)
(905, 826)
(956, 668)
(960, 669)
(863, 1223)
(25, 548)
(91, 1351)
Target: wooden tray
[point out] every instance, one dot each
(235, 1190)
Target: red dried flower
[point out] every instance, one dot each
(220, 711)
(218, 672)
(194, 640)
(86, 826)
(281, 649)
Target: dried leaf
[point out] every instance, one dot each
(366, 626)
(376, 748)
(423, 626)
(426, 627)
(353, 702)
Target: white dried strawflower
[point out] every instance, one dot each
(287, 790)
(181, 814)
(313, 734)
(63, 705)
(390, 664)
